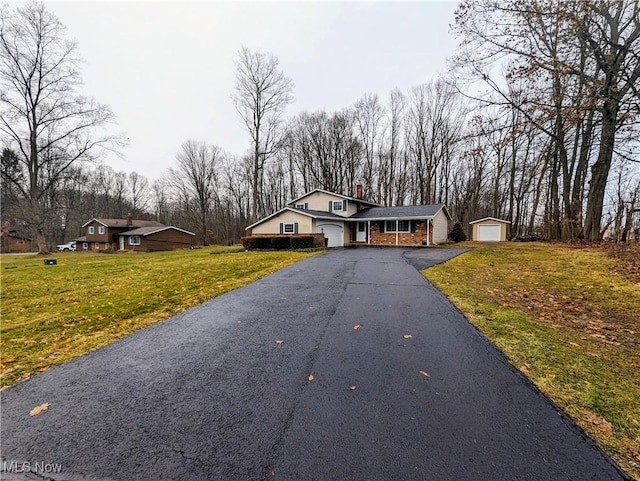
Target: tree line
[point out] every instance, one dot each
(537, 123)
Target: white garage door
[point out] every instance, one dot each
(334, 233)
(489, 233)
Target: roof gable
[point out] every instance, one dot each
(314, 214)
(491, 219)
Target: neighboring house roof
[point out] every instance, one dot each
(401, 212)
(14, 235)
(146, 231)
(315, 214)
(490, 218)
(123, 223)
(354, 199)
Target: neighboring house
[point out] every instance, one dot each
(132, 234)
(348, 220)
(12, 242)
(490, 229)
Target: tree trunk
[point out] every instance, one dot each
(600, 172)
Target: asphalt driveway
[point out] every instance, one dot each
(414, 393)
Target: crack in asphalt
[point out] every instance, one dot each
(267, 470)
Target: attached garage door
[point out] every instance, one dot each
(489, 233)
(334, 233)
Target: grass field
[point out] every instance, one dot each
(569, 319)
(53, 313)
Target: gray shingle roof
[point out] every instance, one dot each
(399, 212)
(319, 213)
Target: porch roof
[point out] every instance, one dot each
(401, 212)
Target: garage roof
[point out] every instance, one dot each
(490, 218)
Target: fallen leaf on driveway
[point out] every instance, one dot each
(279, 341)
(352, 388)
(38, 409)
(424, 373)
(311, 378)
(407, 336)
(356, 327)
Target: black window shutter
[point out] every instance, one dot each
(281, 228)
(306, 206)
(344, 205)
(295, 228)
(330, 206)
(413, 223)
(381, 227)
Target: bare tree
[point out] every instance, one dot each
(611, 32)
(195, 180)
(578, 64)
(369, 115)
(139, 192)
(42, 117)
(262, 92)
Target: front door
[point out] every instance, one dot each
(121, 242)
(361, 232)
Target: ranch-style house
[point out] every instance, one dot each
(132, 235)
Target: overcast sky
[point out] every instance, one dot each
(166, 68)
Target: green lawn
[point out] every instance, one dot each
(53, 313)
(570, 321)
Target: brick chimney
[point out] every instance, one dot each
(129, 220)
(359, 191)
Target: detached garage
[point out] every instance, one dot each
(489, 229)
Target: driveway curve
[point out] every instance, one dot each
(346, 366)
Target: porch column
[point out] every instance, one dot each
(368, 232)
(396, 232)
(428, 221)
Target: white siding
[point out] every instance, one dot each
(440, 227)
(272, 226)
(320, 201)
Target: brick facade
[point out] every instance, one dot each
(404, 238)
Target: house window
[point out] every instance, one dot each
(101, 229)
(403, 226)
(85, 246)
(337, 205)
(96, 246)
(134, 240)
(301, 206)
(20, 242)
(289, 228)
(107, 245)
(92, 230)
